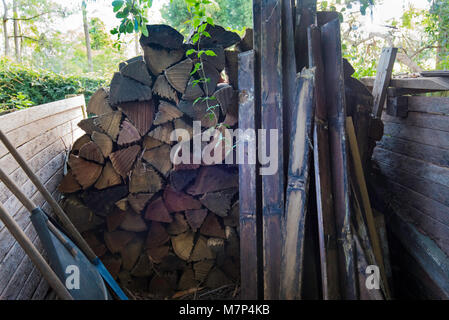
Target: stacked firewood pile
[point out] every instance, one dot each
(159, 228)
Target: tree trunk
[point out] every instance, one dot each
(136, 43)
(16, 33)
(5, 28)
(87, 37)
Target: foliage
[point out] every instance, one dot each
(22, 87)
(437, 28)
(100, 39)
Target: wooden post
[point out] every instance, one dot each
(305, 16)
(334, 84)
(292, 259)
(383, 77)
(247, 176)
(323, 184)
(271, 119)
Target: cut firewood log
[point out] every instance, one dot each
(88, 125)
(132, 285)
(232, 63)
(164, 90)
(91, 151)
(109, 123)
(93, 241)
(161, 287)
(178, 158)
(192, 91)
(157, 211)
(123, 89)
(69, 184)
(144, 179)
(113, 264)
(131, 253)
(115, 219)
(231, 268)
(80, 215)
(217, 245)
(138, 201)
(219, 36)
(187, 280)
(230, 120)
(218, 60)
(213, 75)
(227, 99)
(81, 141)
(162, 35)
(201, 251)
(143, 267)
(178, 226)
(122, 204)
(133, 222)
(159, 158)
(195, 218)
(219, 202)
(204, 111)
(141, 114)
(137, 70)
(85, 172)
(98, 103)
(211, 227)
(116, 241)
(232, 219)
(177, 201)
(172, 263)
(217, 279)
(213, 178)
(104, 142)
(232, 243)
(157, 235)
(183, 245)
(150, 143)
(162, 132)
(167, 112)
(246, 43)
(157, 254)
(128, 134)
(108, 178)
(179, 74)
(182, 178)
(158, 59)
(182, 124)
(102, 201)
(202, 269)
(123, 160)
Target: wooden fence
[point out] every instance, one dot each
(42, 135)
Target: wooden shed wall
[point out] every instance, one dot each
(42, 135)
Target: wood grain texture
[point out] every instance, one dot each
(383, 76)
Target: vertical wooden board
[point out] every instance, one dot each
(383, 77)
(247, 177)
(334, 84)
(271, 119)
(305, 16)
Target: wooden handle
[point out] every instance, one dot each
(34, 255)
(11, 185)
(65, 221)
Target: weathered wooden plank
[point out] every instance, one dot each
(439, 105)
(248, 203)
(426, 136)
(333, 70)
(292, 258)
(418, 168)
(305, 12)
(323, 184)
(383, 76)
(425, 84)
(422, 120)
(416, 150)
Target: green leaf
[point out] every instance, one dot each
(210, 53)
(189, 52)
(206, 34)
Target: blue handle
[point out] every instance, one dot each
(109, 279)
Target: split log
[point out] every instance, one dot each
(177, 201)
(167, 112)
(128, 134)
(131, 253)
(211, 227)
(157, 211)
(160, 287)
(178, 226)
(232, 243)
(227, 98)
(246, 43)
(232, 67)
(164, 90)
(109, 123)
(232, 219)
(182, 178)
(195, 218)
(113, 264)
(91, 151)
(144, 179)
(150, 143)
(202, 269)
(143, 267)
(123, 160)
(192, 91)
(217, 279)
(157, 235)
(108, 178)
(104, 142)
(217, 245)
(209, 72)
(122, 204)
(162, 35)
(201, 251)
(123, 64)
(141, 114)
(97, 246)
(179, 74)
(98, 103)
(80, 215)
(187, 280)
(115, 219)
(101, 201)
(183, 245)
(213, 178)
(123, 89)
(172, 263)
(162, 132)
(137, 70)
(157, 254)
(88, 125)
(133, 222)
(85, 172)
(159, 158)
(81, 141)
(158, 59)
(204, 111)
(69, 184)
(217, 61)
(138, 201)
(116, 241)
(182, 124)
(219, 202)
(219, 36)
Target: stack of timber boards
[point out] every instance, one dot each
(162, 230)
